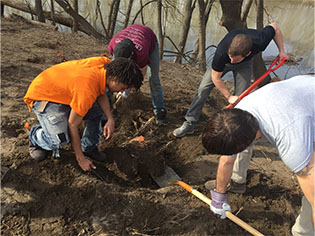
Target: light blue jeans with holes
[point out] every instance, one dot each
(154, 81)
(52, 132)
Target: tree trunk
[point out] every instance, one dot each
(231, 14)
(189, 8)
(39, 11)
(2, 9)
(259, 65)
(75, 22)
(90, 30)
(52, 12)
(128, 13)
(245, 12)
(160, 30)
(113, 18)
(194, 54)
(260, 14)
(202, 36)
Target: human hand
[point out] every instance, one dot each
(283, 56)
(109, 128)
(233, 99)
(85, 163)
(219, 204)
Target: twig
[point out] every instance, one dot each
(239, 210)
(146, 124)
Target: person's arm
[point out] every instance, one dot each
(219, 204)
(109, 127)
(144, 71)
(306, 180)
(74, 122)
(219, 84)
(278, 38)
(224, 173)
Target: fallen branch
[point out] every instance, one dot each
(58, 18)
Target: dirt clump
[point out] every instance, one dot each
(55, 197)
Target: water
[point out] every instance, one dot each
(295, 19)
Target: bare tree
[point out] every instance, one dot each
(202, 36)
(231, 14)
(188, 10)
(39, 11)
(112, 18)
(128, 13)
(160, 30)
(88, 28)
(259, 65)
(194, 54)
(75, 22)
(246, 9)
(2, 9)
(52, 12)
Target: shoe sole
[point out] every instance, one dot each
(179, 136)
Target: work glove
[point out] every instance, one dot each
(219, 204)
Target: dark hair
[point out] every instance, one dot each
(240, 45)
(229, 132)
(124, 48)
(125, 71)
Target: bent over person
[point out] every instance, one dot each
(234, 53)
(284, 112)
(139, 43)
(65, 94)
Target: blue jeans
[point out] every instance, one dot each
(52, 132)
(242, 77)
(154, 81)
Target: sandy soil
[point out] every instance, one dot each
(54, 197)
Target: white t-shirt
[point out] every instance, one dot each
(285, 113)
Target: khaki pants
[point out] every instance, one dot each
(303, 225)
(241, 164)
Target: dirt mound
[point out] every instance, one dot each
(54, 197)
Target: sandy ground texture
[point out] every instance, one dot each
(55, 197)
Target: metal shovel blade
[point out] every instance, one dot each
(167, 178)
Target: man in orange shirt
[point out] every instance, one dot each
(67, 93)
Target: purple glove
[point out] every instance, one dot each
(219, 204)
(126, 93)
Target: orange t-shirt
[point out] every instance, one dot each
(75, 83)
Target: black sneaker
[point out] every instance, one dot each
(37, 153)
(232, 187)
(96, 155)
(160, 116)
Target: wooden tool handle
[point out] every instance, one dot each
(228, 214)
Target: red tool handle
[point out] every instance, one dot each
(271, 68)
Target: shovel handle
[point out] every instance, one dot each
(228, 214)
(271, 68)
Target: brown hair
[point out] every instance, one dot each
(240, 45)
(230, 131)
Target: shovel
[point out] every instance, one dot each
(228, 214)
(271, 68)
(169, 175)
